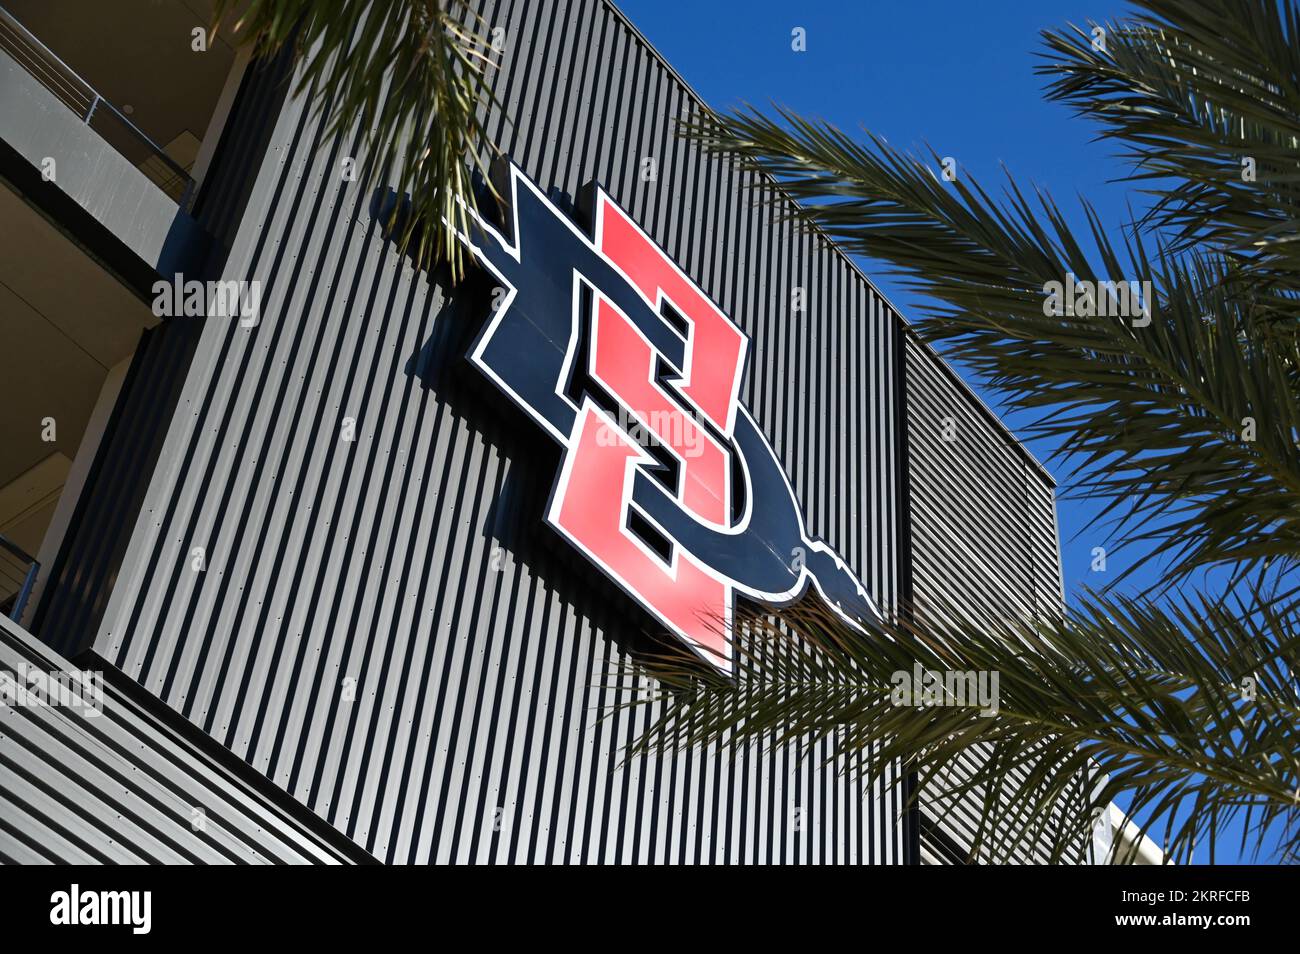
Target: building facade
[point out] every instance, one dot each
(317, 552)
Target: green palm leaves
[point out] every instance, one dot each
(1190, 708)
(1183, 420)
(409, 75)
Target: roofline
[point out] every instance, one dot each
(1131, 844)
(908, 328)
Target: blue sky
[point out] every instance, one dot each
(955, 75)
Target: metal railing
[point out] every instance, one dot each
(18, 571)
(95, 111)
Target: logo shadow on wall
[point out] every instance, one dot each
(512, 524)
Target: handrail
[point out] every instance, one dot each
(31, 569)
(23, 45)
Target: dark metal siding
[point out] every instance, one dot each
(123, 787)
(983, 513)
(413, 560)
(982, 524)
(84, 572)
(82, 575)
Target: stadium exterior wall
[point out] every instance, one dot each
(384, 627)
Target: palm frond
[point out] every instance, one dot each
(1188, 706)
(409, 74)
(1185, 426)
(1155, 417)
(1203, 98)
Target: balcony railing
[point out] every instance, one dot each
(98, 113)
(18, 571)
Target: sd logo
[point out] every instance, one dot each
(667, 484)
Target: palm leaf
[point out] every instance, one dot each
(410, 76)
(1191, 91)
(1185, 706)
(1185, 427)
(1150, 418)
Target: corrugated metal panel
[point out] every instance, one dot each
(409, 569)
(976, 541)
(982, 524)
(84, 572)
(128, 786)
(81, 576)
